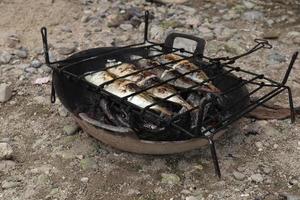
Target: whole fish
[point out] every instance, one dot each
(145, 79)
(123, 88)
(186, 66)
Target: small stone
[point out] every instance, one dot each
(173, 1)
(267, 170)
(226, 34)
(171, 179)
(36, 63)
(6, 165)
(85, 19)
(191, 198)
(6, 151)
(257, 178)
(126, 27)
(5, 92)
(275, 58)
(84, 179)
(271, 34)
(238, 176)
(44, 69)
(9, 184)
(66, 29)
(5, 57)
(66, 49)
(63, 111)
(133, 192)
(12, 41)
(70, 129)
(21, 53)
(248, 4)
(275, 146)
(259, 145)
(114, 20)
(253, 16)
(233, 47)
(88, 163)
(290, 197)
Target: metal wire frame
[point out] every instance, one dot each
(276, 87)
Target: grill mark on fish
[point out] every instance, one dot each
(145, 79)
(123, 88)
(185, 66)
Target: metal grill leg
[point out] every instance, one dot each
(291, 104)
(214, 157)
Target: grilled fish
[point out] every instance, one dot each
(185, 66)
(147, 78)
(123, 88)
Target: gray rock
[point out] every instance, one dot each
(231, 15)
(290, 197)
(171, 179)
(12, 41)
(275, 58)
(233, 47)
(192, 198)
(66, 49)
(257, 178)
(5, 92)
(126, 27)
(226, 34)
(10, 184)
(114, 20)
(21, 53)
(85, 18)
(63, 111)
(36, 63)
(84, 179)
(253, 16)
(88, 163)
(238, 175)
(5, 57)
(156, 32)
(271, 34)
(44, 69)
(133, 192)
(267, 170)
(6, 151)
(66, 29)
(30, 70)
(70, 129)
(248, 4)
(6, 165)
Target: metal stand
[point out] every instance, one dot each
(214, 156)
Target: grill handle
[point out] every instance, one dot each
(169, 42)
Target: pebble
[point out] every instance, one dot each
(191, 198)
(88, 163)
(5, 92)
(253, 16)
(5, 57)
(62, 111)
(126, 27)
(114, 20)
(6, 165)
(133, 192)
(173, 1)
(248, 4)
(70, 129)
(233, 47)
(66, 29)
(266, 170)
(275, 58)
(85, 19)
(259, 145)
(84, 179)
(67, 49)
(21, 53)
(257, 178)
(238, 175)
(12, 41)
(271, 34)
(290, 196)
(36, 63)
(9, 184)
(171, 179)
(226, 34)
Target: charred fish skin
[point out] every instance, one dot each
(145, 79)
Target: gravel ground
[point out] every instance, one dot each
(43, 155)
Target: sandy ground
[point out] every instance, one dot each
(48, 164)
